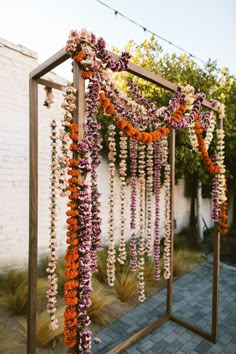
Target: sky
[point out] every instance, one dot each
(205, 28)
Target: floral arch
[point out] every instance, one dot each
(142, 129)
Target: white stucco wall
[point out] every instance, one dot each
(15, 64)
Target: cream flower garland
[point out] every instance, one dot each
(220, 159)
(69, 106)
(210, 130)
(111, 256)
(167, 241)
(141, 243)
(149, 187)
(122, 171)
(52, 264)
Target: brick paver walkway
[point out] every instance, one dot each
(192, 302)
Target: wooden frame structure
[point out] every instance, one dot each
(35, 79)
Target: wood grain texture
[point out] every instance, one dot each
(137, 336)
(53, 85)
(191, 327)
(33, 218)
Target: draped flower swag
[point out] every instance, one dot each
(144, 129)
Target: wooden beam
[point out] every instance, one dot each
(155, 79)
(191, 327)
(216, 271)
(53, 85)
(33, 218)
(49, 64)
(137, 336)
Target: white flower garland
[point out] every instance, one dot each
(52, 264)
(111, 256)
(122, 171)
(141, 243)
(210, 130)
(220, 160)
(63, 159)
(149, 187)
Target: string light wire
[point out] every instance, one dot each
(145, 29)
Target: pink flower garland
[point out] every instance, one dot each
(51, 270)
(167, 241)
(133, 205)
(111, 255)
(141, 243)
(122, 171)
(149, 184)
(157, 191)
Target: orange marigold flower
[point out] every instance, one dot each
(110, 109)
(73, 147)
(71, 284)
(102, 95)
(73, 163)
(105, 103)
(71, 322)
(87, 74)
(80, 56)
(72, 242)
(71, 301)
(70, 342)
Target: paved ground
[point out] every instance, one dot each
(192, 301)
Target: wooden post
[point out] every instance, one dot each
(172, 190)
(216, 271)
(33, 218)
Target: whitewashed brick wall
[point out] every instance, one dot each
(15, 64)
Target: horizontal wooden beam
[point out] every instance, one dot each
(138, 335)
(51, 63)
(134, 69)
(192, 328)
(52, 84)
(155, 79)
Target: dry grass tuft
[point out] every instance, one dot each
(101, 274)
(101, 299)
(185, 260)
(16, 302)
(11, 280)
(44, 336)
(125, 285)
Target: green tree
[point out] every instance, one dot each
(183, 70)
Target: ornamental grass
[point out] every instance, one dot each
(10, 280)
(186, 260)
(101, 298)
(15, 300)
(125, 284)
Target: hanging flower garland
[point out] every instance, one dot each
(149, 184)
(141, 243)
(72, 252)
(133, 205)
(85, 243)
(51, 270)
(63, 159)
(122, 172)
(157, 192)
(211, 167)
(111, 254)
(49, 99)
(167, 224)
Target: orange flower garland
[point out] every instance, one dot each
(211, 167)
(72, 253)
(127, 128)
